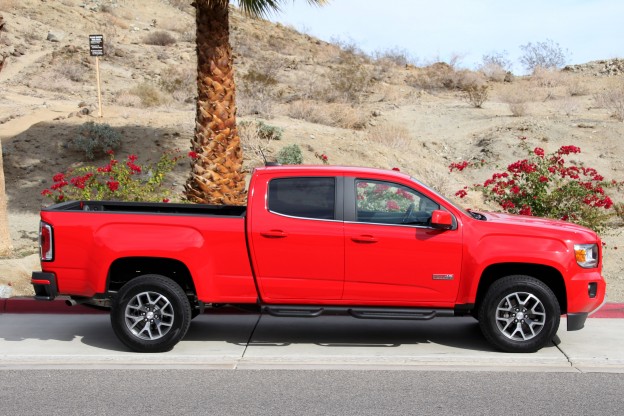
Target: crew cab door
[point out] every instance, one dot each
(297, 239)
(393, 254)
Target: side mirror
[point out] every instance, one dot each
(441, 220)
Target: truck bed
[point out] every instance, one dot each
(150, 207)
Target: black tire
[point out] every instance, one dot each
(151, 313)
(519, 314)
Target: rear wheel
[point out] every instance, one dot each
(151, 313)
(519, 314)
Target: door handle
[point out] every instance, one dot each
(273, 234)
(364, 239)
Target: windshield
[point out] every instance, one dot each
(446, 200)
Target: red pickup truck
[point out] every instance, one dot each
(320, 240)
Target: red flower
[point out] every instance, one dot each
(46, 192)
(507, 204)
(566, 150)
(112, 185)
(392, 205)
(461, 193)
(193, 155)
(526, 210)
(539, 151)
(132, 158)
(396, 169)
(165, 200)
(458, 165)
(58, 177)
(543, 179)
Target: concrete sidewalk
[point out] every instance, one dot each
(232, 341)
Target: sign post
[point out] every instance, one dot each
(96, 48)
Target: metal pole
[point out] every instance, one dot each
(99, 91)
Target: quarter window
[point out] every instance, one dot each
(303, 197)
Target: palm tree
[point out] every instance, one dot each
(217, 176)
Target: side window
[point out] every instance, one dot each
(390, 203)
(303, 197)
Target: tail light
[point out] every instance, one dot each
(46, 243)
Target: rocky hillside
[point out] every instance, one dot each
(328, 99)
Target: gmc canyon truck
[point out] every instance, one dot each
(316, 240)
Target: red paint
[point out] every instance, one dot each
(337, 261)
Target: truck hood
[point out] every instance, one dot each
(537, 223)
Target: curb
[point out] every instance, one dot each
(58, 306)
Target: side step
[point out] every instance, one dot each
(300, 311)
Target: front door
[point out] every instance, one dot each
(392, 255)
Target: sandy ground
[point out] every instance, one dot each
(439, 126)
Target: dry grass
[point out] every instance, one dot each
(159, 38)
(150, 95)
(257, 146)
(517, 98)
(341, 115)
(393, 136)
(612, 99)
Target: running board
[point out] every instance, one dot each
(299, 311)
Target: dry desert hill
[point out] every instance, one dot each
(328, 98)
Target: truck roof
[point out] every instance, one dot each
(330, 170)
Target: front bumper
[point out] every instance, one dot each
(45, 285)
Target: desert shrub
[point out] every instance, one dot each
(348, 79)
(547, 54)
(397, 56)
(496, 66)
(308, 110)
(125, 99)
(149, 94)
(517, 99)
(159, 38)
(115, 181)
(575, 86)
(548, 77)
(268, 132)
(397, 137)
(341, 115)
(72, 71)
(476, 94)
(545, 185)
(290, 155)
(180, 82)
(183, 5)
(257, 90)
(613, 100)
(619, 210)
(95, 139)
(256, 137)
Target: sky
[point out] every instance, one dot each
(438, 30)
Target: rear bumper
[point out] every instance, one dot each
(45, 285)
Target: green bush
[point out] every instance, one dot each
(116, 181)
(268, 132)
(96, 139)
(290, 155)
(545, 185)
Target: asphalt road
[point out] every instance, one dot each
(305, 392)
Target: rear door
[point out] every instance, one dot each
(297, 239)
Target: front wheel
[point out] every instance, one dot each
(151, 313)
(519, 314)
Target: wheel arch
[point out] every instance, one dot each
(550, 276)
(125, 269)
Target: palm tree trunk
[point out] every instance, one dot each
(216, 176)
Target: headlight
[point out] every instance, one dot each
(586, 255)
